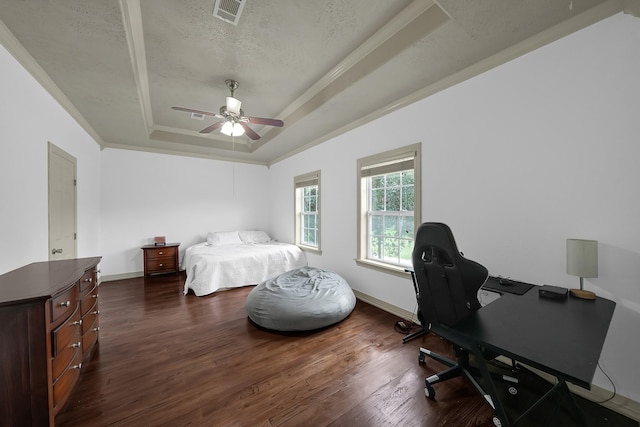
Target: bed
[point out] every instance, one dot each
(237, 258)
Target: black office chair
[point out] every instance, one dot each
(447, 292)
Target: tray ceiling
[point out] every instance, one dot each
(118, 66)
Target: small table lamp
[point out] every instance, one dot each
(582, 261)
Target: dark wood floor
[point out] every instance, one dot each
(165, 359)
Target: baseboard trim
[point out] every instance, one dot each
(112, 277)
(389, 308)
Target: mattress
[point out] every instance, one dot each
(211, 268)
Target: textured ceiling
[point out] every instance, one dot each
(118, 66)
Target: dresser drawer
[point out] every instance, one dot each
(64, 384)
(90, 337)
(163, 251)
(88, 301)
(67, 334)
(63, 360)
(90, 318)
(63, 305)
(88, 281)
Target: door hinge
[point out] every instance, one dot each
(75, 182)
(75, 236)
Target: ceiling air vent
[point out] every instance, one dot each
(228, 10)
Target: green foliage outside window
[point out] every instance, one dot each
(391, 217)
(310, 215)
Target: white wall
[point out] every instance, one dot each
(516, 161)
(146, 195)
(29, 119)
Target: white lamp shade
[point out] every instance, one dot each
(238, 129)
(227, 128)
(232, 129)
(582, 257)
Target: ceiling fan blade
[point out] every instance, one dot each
(215, 126)
(250, 132)
(191, 110)
(263, 121)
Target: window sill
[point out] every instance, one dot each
(385, 268)
(310, 249)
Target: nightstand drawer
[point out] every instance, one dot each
(160, 265)
(162, 252)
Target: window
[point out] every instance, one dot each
(307, 211)
(388, 208)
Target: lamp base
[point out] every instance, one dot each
(580, 293)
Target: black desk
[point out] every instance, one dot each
(563, 338)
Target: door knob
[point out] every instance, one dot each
(56, 251)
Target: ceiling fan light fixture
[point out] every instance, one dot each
(238, 130)
(232, 129)
(233, 105)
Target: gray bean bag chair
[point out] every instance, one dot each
(303, 299)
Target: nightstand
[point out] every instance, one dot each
(161, 259)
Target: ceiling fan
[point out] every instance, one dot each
(235, 122)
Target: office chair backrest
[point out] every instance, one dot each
(448, 283)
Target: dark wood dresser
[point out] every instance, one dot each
(49, 325)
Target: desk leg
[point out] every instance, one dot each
(574, 405)
(492, 394)
(560, 386)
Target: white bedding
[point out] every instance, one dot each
(211, 268)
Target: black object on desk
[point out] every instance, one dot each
(553, 292)
(510, 286)
(561, 338)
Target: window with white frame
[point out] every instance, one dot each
(388, 208)
(307, 210)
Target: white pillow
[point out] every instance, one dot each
(223, 238)
(254, 236)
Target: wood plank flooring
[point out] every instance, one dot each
(165, 359)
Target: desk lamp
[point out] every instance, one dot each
(582, 261)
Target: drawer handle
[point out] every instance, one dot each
(160, 253)
(78, 366)
(90, 279)
(161, 265)
(94, 296)
(76, 344)
(96, 328)
(77, 322)
(96, 312)
(65, 304)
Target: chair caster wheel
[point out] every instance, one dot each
(512, 390)
(496, 421)
(421, 359)
(430, 392)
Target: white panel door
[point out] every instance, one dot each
(62, 204)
